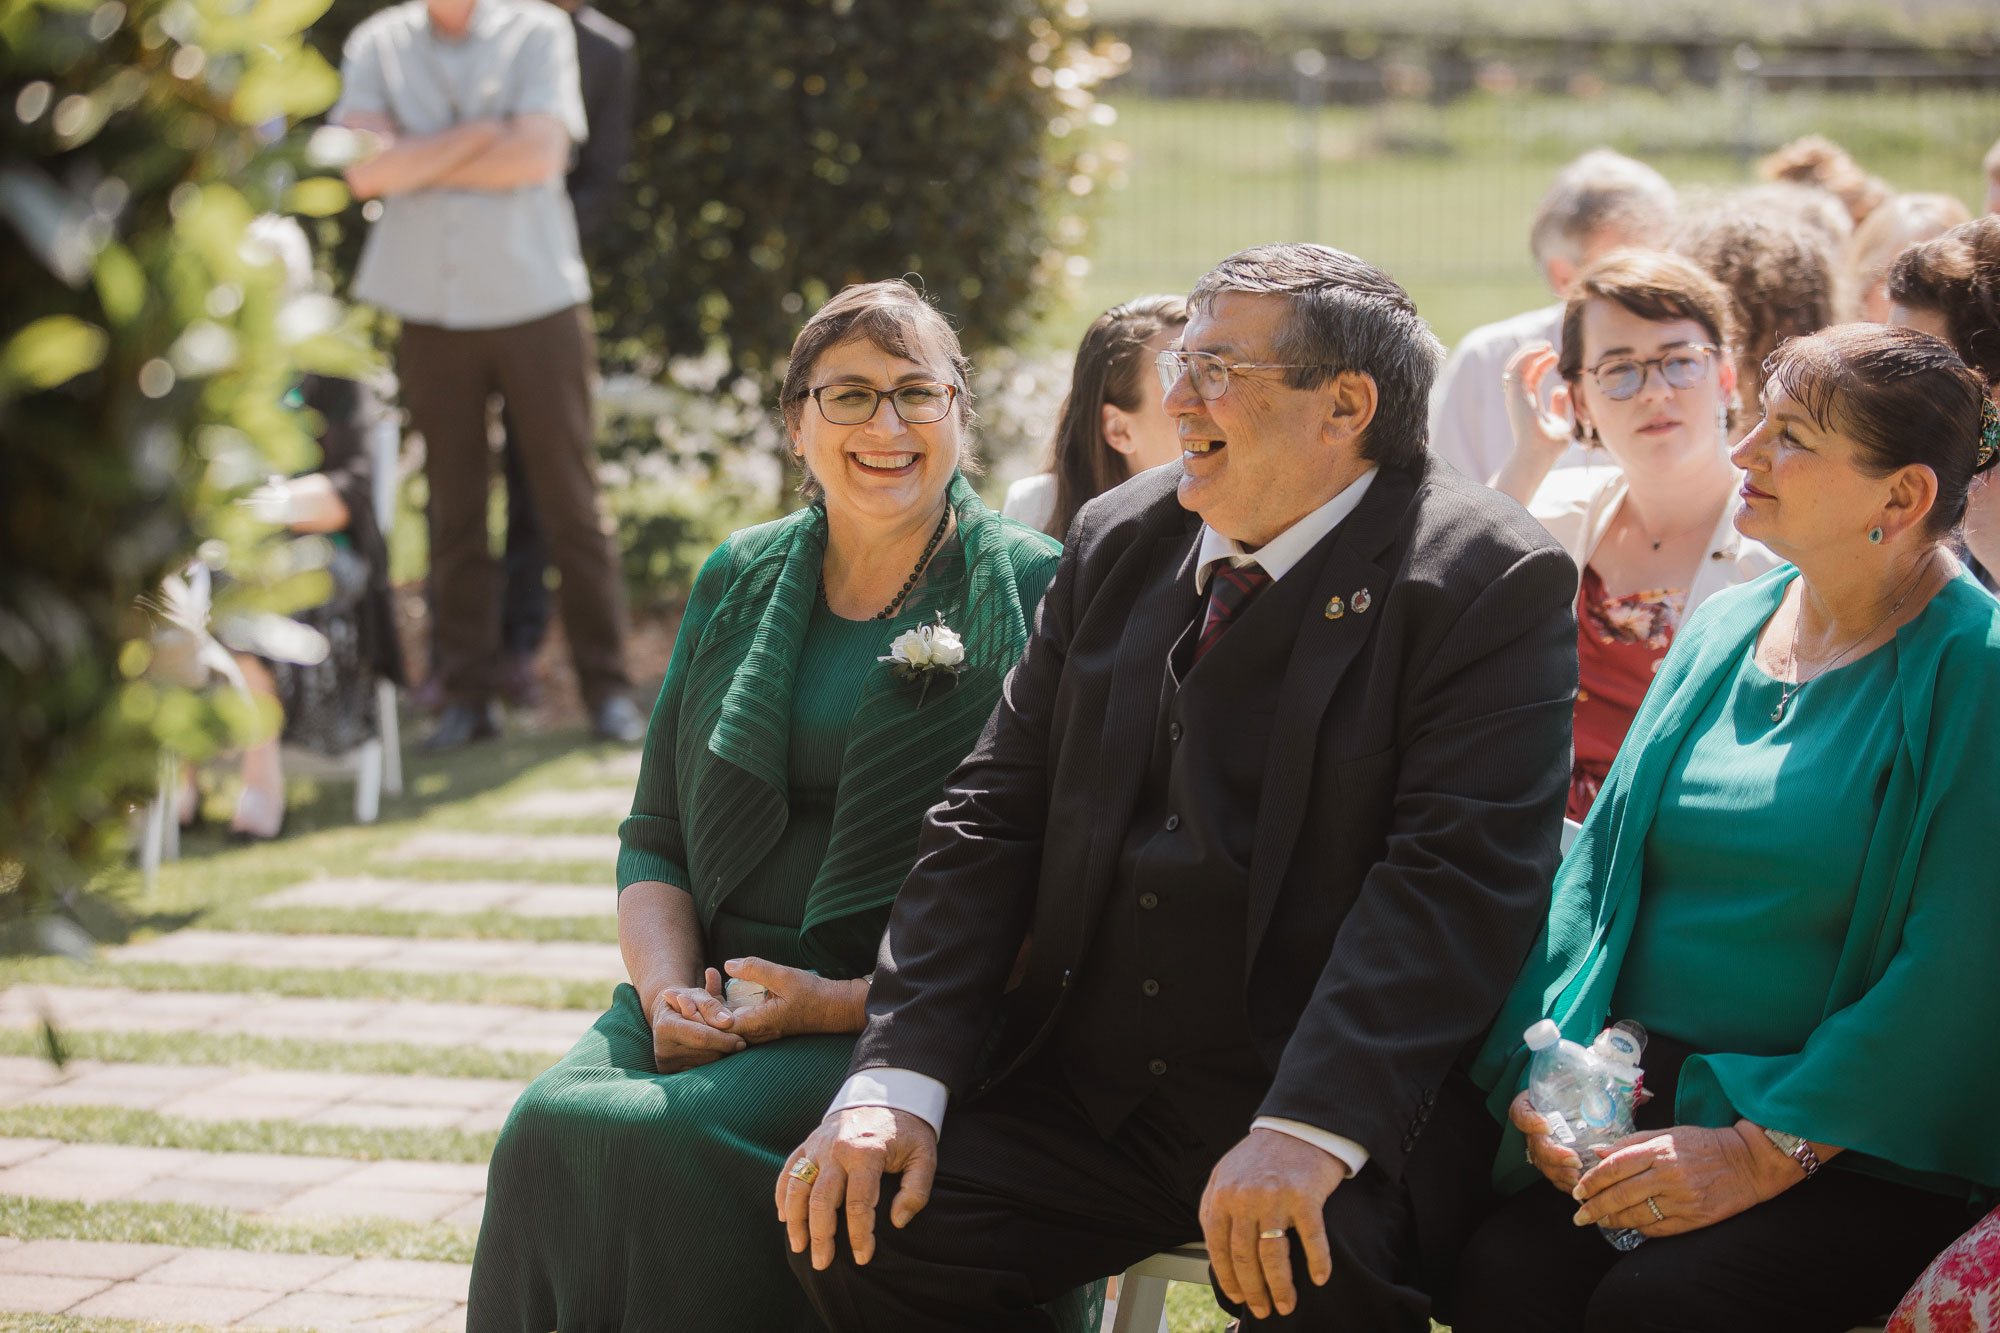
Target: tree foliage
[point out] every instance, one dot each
(146, 348)
(782, 150)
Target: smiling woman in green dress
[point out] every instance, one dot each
(784, 779)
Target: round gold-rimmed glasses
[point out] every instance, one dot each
(916, 404)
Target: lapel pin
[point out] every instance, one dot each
(1334, 609)
(1362, 601)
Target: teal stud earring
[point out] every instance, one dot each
(1875, 536)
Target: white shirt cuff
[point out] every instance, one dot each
(1347, 1150)
(901, 1090)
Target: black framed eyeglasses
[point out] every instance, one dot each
(916, 404)
(1208, 372)
(1682, 368)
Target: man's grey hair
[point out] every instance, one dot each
(1346, 314)
(1602, 191)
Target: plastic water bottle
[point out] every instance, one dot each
(1587, 1095)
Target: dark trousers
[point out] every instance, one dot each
(1827, 1254)
(1030, 1202)
(524, 565)
(542, 369)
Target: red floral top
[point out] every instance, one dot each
(1960, 1291)
(1619, 644)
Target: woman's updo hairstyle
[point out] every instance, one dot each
(1958, 275)
(1651, 284)
(1111, 367)
(894, 316)
(1904, 397)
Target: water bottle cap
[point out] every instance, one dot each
(1616, 1046)
(1543, 1034)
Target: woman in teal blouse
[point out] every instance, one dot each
(1788, 878)
(785, 776)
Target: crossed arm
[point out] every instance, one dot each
(491, 155)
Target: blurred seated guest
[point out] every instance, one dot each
(1960, 1291)
(1787, 880)
(327, 705)
(1950, 287)
(1891, 229)
(1646, 373)
(1819, 162)
(1784, 278)
(784, 783)
(1112, 424)
(1602, 201)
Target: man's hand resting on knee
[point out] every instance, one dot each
(853, 1150)
(1270, 1182)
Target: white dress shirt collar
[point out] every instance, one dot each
(1278, 555)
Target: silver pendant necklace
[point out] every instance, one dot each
(1791, 691)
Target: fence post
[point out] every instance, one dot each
(1747, 62)
(1310, 67)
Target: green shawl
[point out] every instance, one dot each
(712, 793)
(1901, 1067)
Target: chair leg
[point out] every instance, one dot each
(162, 814)
(1142, 1305)
(392, 739)
(368, 761)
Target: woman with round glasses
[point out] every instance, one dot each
(1646, 374)
(791, 756)
(1113, 425)
(1787, 879)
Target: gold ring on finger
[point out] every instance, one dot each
(1654, 1204)
(805, 1171)
(1272, 1233)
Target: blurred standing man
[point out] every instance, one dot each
(476, 104)
(604, 56)
(1601, 202)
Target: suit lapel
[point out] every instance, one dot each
(1326, 645)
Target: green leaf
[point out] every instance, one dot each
(51, 351)
(317, 197)
(298, 84)
(121, 284)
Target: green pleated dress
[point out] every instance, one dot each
(620, 1198)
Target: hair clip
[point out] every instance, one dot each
(1989, 433)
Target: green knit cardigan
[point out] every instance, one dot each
(712, 793)
(1901, 1069)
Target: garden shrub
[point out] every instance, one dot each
(146, 348)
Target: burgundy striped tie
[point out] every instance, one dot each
(1229, 591)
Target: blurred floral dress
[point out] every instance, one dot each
(1620, 642)
(1960, 1291)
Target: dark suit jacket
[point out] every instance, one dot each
(1413, 798)
(606, 64)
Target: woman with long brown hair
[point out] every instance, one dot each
(1112, 425)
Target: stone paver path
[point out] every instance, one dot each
(514, 898)
(528, 958)
(229, 1288)
(277, 1184)
(217, 1092)
(495, 1027)
(584, 803)
(580, 848)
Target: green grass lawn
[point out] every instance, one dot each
(1441, 196)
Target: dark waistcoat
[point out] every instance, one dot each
(1162, 1010)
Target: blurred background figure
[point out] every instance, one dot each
(1818, 161)
(1950, 287)
(1602, 201)
(1783, 277)
(1647, 372)
(1991, 165)
(477, 106)
(1113, 425)
(1897, 225)
(605, 59)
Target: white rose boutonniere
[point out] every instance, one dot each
(926, 653)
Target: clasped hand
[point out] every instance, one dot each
(1694, 1176)
(693, 1027)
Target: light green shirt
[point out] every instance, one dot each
(469, 259)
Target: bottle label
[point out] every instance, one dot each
(1559, 1129)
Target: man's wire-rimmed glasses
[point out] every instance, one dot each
(1208, 372)
(1682, 368)
(916, 404)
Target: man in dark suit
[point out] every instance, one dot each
(1273, 801)
(609, 72)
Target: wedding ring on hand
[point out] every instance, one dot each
(1272, 1233)
(805, 1171)
(1654, 1204)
